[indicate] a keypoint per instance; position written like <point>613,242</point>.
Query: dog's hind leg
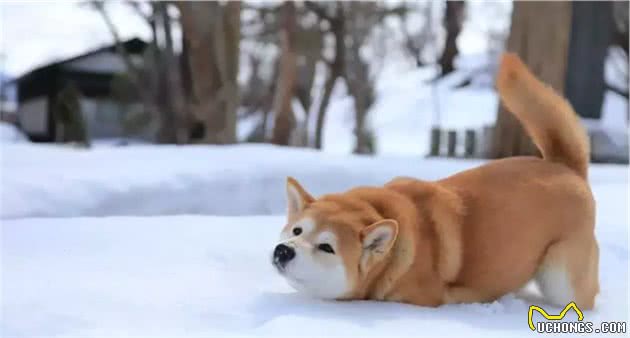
<point>569,271</point>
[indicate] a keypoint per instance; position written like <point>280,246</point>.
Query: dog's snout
<point>283,253</point>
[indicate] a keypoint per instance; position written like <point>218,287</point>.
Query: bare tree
<point>540,35</point>
<point>135,75</point>
<point>257,97</point>
<point>333,16</point>
<point>361,19</point>
<point>415,43</point>
<point>285,88</point>
<point>350,25</point>
<point>71,126</point>
<point>260,31</point>
<point>310,44</point>
<point>453,19</point>
<point>212,32</point>
<point>157,80</point>
<point>172,87</point>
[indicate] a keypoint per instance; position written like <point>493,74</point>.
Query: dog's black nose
<point>283,253</point>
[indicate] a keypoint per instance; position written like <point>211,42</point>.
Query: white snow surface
<point>149,274</point>
<point>53,181</point>
<point>10,134</point>
<point>407,105</point>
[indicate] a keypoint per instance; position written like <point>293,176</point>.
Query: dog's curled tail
<point>547,117</point>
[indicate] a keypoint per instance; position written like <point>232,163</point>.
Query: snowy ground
<point>10,134</point>
<point>208,275</point>
<point>52,181</point>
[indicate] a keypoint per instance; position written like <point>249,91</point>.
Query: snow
<point>43,45</point>
<point>51,181</point>
<point>157,272</point>
<point>407,105</point>
<point>8,93</point>
<point>609,134</point>
<point>10,134</point>
<point>150,241</point>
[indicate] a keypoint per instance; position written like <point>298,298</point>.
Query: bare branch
<point>135,5</point>
<point>262,10</point>
<point>318,10</point>
<point>133,71</point>
<point>385,12</point>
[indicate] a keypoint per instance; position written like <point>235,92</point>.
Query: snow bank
<point>206,276</point>
<point>49,181</point>
<point>10,134</point>
<point>210,276</point>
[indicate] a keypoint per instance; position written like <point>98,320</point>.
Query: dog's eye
<point>326,248</point>
<point>297,231</point>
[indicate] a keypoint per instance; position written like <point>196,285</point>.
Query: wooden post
<point>591,138</point>
<point>470,143</point>
<point>435,142</point>
<point>485,141</point>
<point>451,143</point>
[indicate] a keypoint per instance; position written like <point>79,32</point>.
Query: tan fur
<point>482,233</point>
<point>547,117</point>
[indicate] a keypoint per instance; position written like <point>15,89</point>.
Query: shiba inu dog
<point>471,237</point>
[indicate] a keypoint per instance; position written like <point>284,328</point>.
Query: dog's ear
<point>297,197</point>
<point>377,240</point>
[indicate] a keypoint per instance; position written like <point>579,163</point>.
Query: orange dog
<point>471,237</point>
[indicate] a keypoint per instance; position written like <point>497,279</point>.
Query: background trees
<point>566,44</point>
<point>212,33</point>
<point>279,64</point>
<point>544,50</point>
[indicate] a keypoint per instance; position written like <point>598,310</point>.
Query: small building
<point>91,75</point>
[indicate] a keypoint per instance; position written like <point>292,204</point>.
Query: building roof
<point>132,46</point>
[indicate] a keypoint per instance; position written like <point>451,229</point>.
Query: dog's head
<point>330,246</point>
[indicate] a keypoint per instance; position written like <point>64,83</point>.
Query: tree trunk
<point>267,100</point>
<point>321,111</point>
<point>453,19</point>
<point>192,124</point>
<point>212,31</point>
<point>540,35</point>
<point>174,81</point>
<point>337,27</point>
<point>285,88</point>
<point>361,89</point>
<point>69,116</point>
<point>164,95</point>
<point>591,34</point>
<point>230,64</point>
